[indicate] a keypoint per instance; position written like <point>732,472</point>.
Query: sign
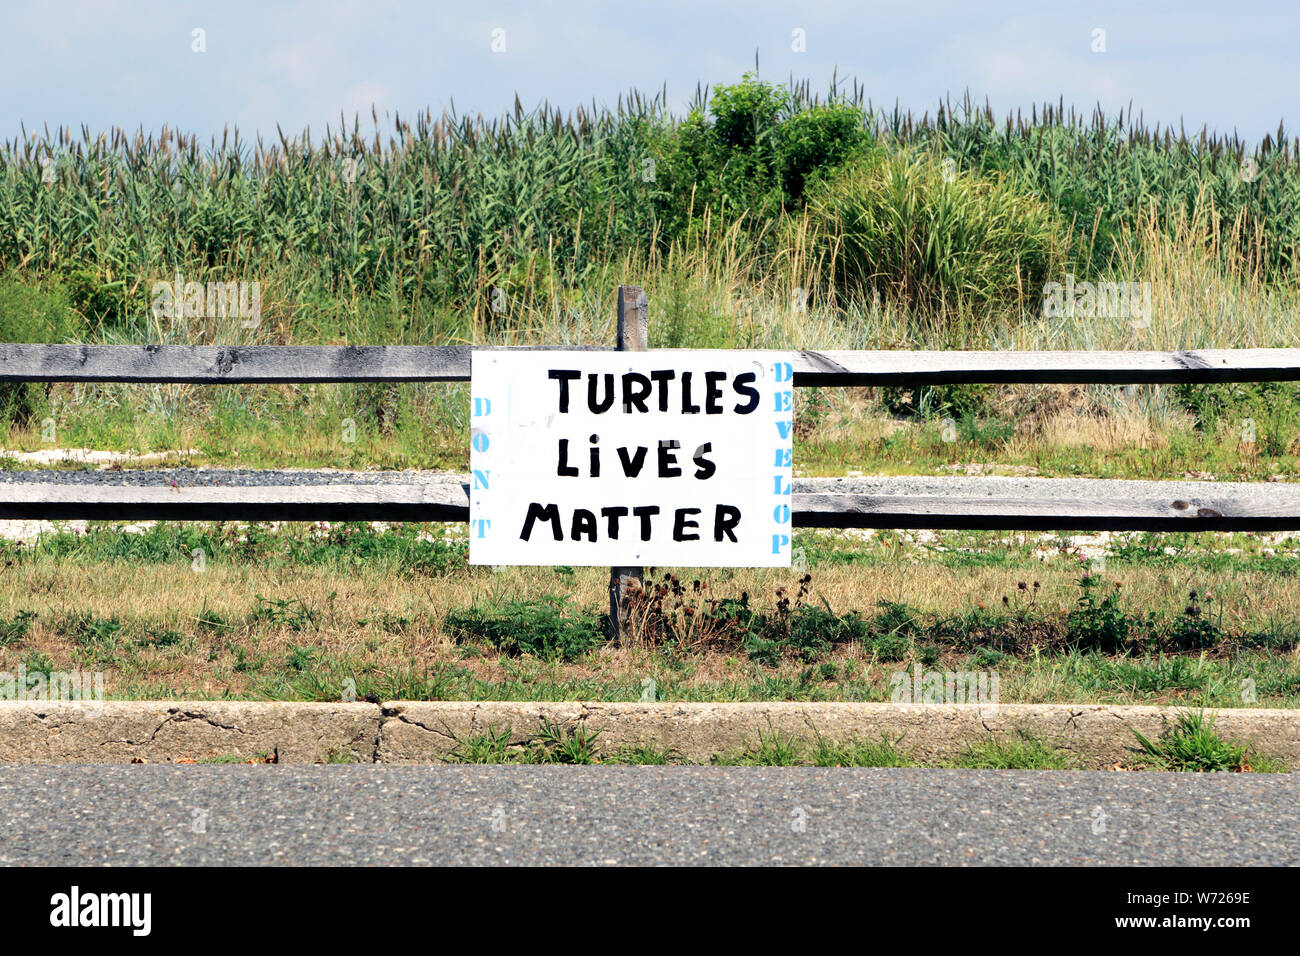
<point>668,458</point>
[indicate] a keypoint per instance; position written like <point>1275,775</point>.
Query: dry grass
<point>1124,428</point>
<point>175,596</point>
<point>392,622</point>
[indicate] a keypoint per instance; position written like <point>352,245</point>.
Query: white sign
<point>668,458</point>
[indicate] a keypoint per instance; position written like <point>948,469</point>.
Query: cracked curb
<point>170,731</point>
<point>1099,735</point>
<point>425,732</point>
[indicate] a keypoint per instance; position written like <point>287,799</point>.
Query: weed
<point>1198,626</point>
<point>547,627</point>
<point>35,662</point>
<point>287,612</point>
<point>90,631</point>
<point>1192,745</point>
<point>15,630</point>
<point>772,750</point>
<point>492,747</point>
<point>1099,623</point>
<point>644,755</point>
<point>1024,752</point>
<point>555,744</point>
<point>884,753</point>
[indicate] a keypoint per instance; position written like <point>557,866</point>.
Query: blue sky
<point>295,63</point>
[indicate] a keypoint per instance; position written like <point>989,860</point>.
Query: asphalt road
<point>155,814</point>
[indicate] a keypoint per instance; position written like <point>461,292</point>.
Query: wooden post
<point>633,336</point>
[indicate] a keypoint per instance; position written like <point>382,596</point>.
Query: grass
<point>771,220</point>
<point>1192,745</point>
<point>906,227</point>
<point>551,744</point>
<point>261,756</point>
<point>1022,753</point>
<point>411,620</point>
<point>1018,753</point>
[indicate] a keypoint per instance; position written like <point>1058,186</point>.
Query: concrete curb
<point>168,731</point>
<point>1100,735</point>
<point>422,732</point>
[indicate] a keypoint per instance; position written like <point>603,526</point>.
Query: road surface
<point>151,814</point>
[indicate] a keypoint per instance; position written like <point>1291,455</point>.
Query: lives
<point>633,461</point>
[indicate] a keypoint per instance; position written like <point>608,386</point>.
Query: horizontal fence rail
<point>306,364</point>
<point>1273,507</point>
<point>1266,507</point>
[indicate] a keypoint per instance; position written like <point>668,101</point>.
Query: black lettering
<point>713,392</point>
<point>725,519</point>
<point>595,457</point>
<point>687,407</point>
<point>635,389</point>
<point>565,470</point>
<point>564,376</point>
<point>663,377</point>
<point>601,406</point>
<point>668,459</point>
<point>550,513</point>
<point>742,388</point>
<point>680,524</point>
<point>584,523</point>
<point>645,513</point>
<point>612,515</point>
<point>632,466</point>
<point>703,467</point>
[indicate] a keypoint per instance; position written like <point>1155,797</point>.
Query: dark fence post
<point>633,336</point>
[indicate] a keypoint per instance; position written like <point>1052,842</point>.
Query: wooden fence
<point>1264,507</point>
<point>1268,506</point>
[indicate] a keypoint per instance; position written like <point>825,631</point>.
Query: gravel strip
<point>994,486</point>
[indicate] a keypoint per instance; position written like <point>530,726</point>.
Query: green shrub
<point>815,630</point>
<point>930,401</point>
<point>1266,414</point>
<point>817,139</point>
<point>733,160</point>
<point>898,227</point>
<point>745,114</point>
<point>101,300</point>
<point>547,628</point>
<point>752,153</point>
<point>30,313</point>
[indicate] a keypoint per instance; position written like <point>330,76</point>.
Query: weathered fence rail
<point>1271,507</point>
<point>1276,508</point>
<point>306,364</point>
